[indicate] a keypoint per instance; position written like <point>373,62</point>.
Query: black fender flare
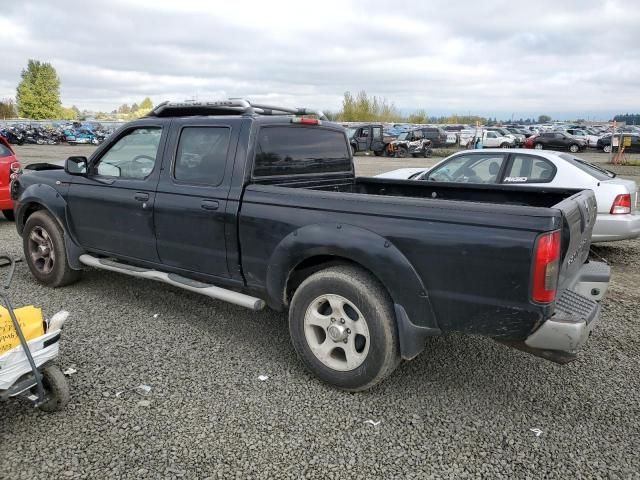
<point>414,312</point>
<point>48,198</point>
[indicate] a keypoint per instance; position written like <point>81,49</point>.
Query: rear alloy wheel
<point>574,148</point>
<point>538,146</point>
<point>9,215</point>
<point>606,149</point>
<point>402,152</point>
<point>504,145</point>
<point>342,325</point>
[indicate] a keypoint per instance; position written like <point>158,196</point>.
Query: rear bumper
<point>592,281</point>
<point>569,328</point>
<point>609,228</point>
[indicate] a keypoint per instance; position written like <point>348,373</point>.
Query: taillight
<point>306,121</point>
<point>546,266</point>
<point>621,205</point>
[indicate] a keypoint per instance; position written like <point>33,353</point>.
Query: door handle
<point>141,196</point>
<point>209,205</point>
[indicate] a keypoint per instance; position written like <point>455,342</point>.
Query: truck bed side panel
<point>474,259</point>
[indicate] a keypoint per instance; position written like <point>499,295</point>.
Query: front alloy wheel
<point>40,249</point>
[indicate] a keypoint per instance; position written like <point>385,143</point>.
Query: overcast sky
<point>564,58</point>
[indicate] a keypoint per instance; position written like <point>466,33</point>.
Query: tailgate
<point>579,215</point>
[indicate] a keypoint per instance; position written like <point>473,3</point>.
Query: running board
<point>175,280</point>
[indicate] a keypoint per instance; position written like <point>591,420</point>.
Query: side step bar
<point>179,281</point>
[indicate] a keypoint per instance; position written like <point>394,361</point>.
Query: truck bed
<point>495,194</point>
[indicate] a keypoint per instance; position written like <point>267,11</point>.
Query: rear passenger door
<point>191,218</point>
<point>523,168</point>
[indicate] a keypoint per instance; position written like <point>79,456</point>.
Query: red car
<point>8,166</point>
<point>528,143</point>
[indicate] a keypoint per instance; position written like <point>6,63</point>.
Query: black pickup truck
<point>258,205</point>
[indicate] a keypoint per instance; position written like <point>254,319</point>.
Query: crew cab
<point>9,165</point>
<point>259,205</point>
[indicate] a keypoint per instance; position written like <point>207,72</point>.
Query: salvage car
<point>633,140</point>
<point>368,138</point>
<point>9,165</point>
<point>412,142</point>
<point>618,217</point>
<point>259,205</point>
<point>559,141</point>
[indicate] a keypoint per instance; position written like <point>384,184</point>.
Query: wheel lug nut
<point>342,320</point>
<point>348,330</point>
<point>333,320</point>
<point>345,340</point>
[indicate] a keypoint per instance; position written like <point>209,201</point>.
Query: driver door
<point>111,210</point>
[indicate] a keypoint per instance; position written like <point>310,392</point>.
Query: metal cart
<point>27,370</point>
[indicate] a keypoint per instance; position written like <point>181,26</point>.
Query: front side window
<point>133,156</point>
<point>477,168</point>
<point>299,150</point>
<point>4,151</point>
<point>377,132</point>
<point>529,169</point>
<point>202,155</point>
<point>364,132</point>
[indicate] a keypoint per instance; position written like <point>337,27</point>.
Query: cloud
<point>482,57</point>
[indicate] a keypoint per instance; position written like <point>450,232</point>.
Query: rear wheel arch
<point>316,247</point>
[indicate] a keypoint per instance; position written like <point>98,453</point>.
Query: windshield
<point>350,132</point>
<point>403,136</point>
<point>594,170</point>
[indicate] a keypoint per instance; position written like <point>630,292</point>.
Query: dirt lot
<point>464,408</point>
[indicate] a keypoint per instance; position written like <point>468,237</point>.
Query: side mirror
<point>76,166</point>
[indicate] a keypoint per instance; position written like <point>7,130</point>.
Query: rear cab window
<point>300,150</point>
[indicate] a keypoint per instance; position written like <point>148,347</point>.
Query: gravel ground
<point>465,407</point>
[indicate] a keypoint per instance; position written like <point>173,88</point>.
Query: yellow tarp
<point>31,321</point>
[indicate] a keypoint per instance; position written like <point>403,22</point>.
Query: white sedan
<point>618,217</point>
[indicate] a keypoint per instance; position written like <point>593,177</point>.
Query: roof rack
<point>233,106</point>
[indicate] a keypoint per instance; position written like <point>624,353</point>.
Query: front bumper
<point>609,228</point>
<point>569,328</point>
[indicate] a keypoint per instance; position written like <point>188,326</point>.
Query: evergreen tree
<point>38,94</point>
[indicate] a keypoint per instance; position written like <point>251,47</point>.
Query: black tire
<point>9,215</point>
<point>371,298</point>
<point>402,152</point>
<point>574,148</point>
<point>504,145</point>
<point>354,150</point>
<point>606,149</point>
<point>57,388</point>
<point>60,273</point>
<point>378,153</point>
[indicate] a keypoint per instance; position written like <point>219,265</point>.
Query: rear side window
<point>202,155</point>
<point>297,150</point>
<point>530,169</point>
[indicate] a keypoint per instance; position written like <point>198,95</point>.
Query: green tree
<point>69,113</point>
<point>38,93</point>
<point>8,108</point>
<point>544,119</point>
<point>363,108</point>
<point>124,108</point>
<point>146,104</point>
<point>419,116</point>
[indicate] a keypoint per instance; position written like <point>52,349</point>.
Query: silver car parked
<point>618,216</point>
